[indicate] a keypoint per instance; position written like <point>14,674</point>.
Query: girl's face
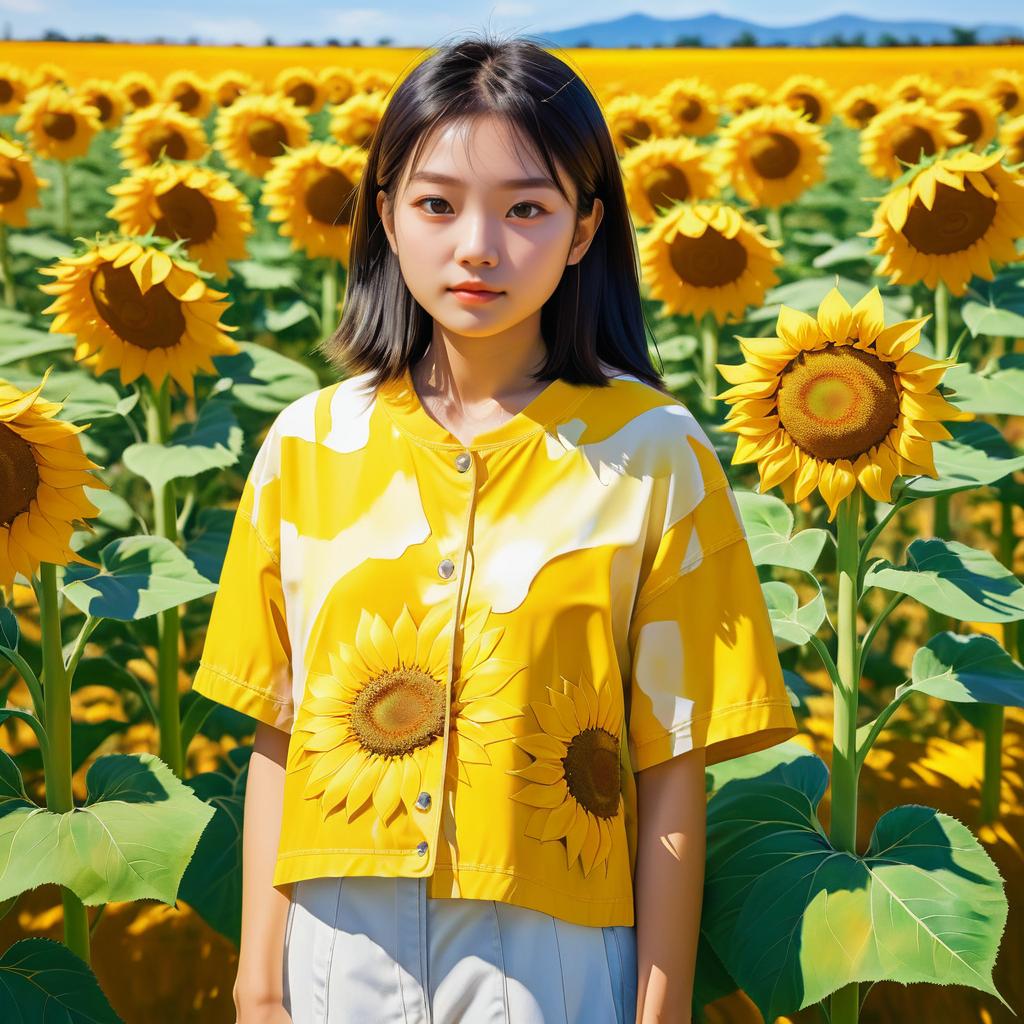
<point>479,208</point>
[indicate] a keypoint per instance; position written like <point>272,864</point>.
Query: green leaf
<point>793,919</point>
<point>278,320</point>
<point>678,348</point>
<point>995,307</point>
<point>214,441</point>
<point>266,277</point>
<point>953,579</point>
<point>852,250</point>
<point>971,668</point>
<point>806,295</point>
<point>996,390</point>
<point>212,883</point>
<point>768,522</point>
<point>977,455</point>
<point>42,981</point>
<point>131,840</point>
<point>20,344</point>
<point>792,623</point>
<point>262,379</point>
<point>9,630</point>
<point>84,398</point>
<point>39,246</point>
<point>140,576</point>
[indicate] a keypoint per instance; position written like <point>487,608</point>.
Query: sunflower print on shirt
<point>371,726</point>
<point>575,780</point>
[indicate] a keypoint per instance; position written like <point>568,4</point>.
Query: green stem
<point>91,622</point>
<point>158,430</point>
<point>329,298</point>
<point>843,824</point>
<point>869,540</point>
<point>57,697</point>
<point>5,264</point>
<point>994,715</point>
<point>31,681</point>
<point>941,320</point>
<point>65,197</point>
<point>941,528</point>
<point>773,221</point>
<point>709,356</point>
<point>879,724</point>
<point>869,637</point>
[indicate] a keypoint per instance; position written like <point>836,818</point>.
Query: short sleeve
<point>704,667</point>
<point>246,658</point>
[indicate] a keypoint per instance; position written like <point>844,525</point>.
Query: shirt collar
<point>552,405</point>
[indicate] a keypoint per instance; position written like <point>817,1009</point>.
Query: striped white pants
<point>369,950</point>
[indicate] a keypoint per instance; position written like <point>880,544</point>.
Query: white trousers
<point>369,950</point>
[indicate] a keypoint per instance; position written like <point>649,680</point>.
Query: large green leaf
<point>266,277</point>
<point>212,883</point>
<point>792,623</point>
<point>850,250</point>
<point>768,522</point>
<point>793,919</point>
<point>262,379</point>
<point>953,579</point>
<point>998,389</point>
<point>977,454</point>
<point>996,307</point>
<point>42,981</point>
<point>279,320</point>
<point>131,840</point>
<point>971,668</point>
<point>214,441</point>
<point>140,576</point>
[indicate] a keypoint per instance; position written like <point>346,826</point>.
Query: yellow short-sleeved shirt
<point>474,648</point>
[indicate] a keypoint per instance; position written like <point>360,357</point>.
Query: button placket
<point>465,463</point>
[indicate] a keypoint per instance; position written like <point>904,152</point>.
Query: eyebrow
<point>447,179</point>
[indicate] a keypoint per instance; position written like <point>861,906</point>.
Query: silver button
<point>421,847</point>
<point>446,568</point>
<point>463,461</point>
<point>423,800</point>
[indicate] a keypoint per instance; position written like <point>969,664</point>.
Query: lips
<point>474,288</point>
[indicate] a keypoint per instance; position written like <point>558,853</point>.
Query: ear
<point>586,228</point>
<point>386,213</point>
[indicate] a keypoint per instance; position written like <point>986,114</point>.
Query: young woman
<point>488,598</point>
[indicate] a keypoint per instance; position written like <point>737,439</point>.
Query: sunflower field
<point>833,268</point>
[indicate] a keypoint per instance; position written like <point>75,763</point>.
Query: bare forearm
<point>669,886</point>
<point>260,976</point>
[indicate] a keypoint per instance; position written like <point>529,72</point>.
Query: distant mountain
<point>715,30</point>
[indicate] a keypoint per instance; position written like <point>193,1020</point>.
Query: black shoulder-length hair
<point>595,313</point>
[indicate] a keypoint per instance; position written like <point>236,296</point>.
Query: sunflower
<point>310,192</point>
<point>59,124</point>
<point>139,87</point>
<point>661,172</point>
<point>106,97</point>
<point>948,219</point>
<point>914,86</point>
<point>302,87</point>
<point>198,204</point>
<point>978,114</point>
<point>160,129</point>
<point>1011,136</point>
<point>47,73</point>
<point>45,473</point>
<point>744,96</point>
<point>140,310</point>
<point>19,186</point>
<point>354,122</point>
<point>701,258</point>
<point>257,128</point>
<point>771,155</point>
<point>837,401</point>
<point>905,132</point>
<point>574,782</point>
<point>14,86</point>
<point>809,95</point>
<point>374,80</point>
<point>1006,87</point>
<point>691,104</point>
<point>227,86</point>
<point>374,727</point>
<point>188,92</point>
<point>859,105</point>
<point>337,83</point>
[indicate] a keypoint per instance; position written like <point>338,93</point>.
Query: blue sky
<point>418,24</point>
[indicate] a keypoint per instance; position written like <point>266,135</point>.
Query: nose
<point>474,245</point>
